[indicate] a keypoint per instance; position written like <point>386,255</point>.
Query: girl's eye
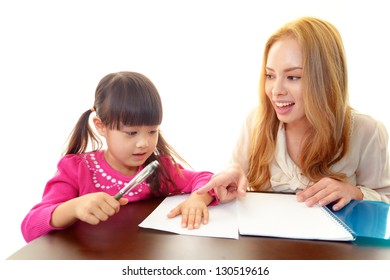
<point>131,133</point>
<point>153,132</point>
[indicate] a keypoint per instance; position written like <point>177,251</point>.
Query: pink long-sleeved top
<point>81,174</point>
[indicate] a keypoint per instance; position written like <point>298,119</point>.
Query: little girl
<point>128,115</point>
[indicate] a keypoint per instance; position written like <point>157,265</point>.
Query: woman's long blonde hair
<point>326,103</point>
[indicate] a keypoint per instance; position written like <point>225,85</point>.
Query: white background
<point>203,56</point>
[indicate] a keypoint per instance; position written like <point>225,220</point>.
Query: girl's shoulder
<point>168,162</point>
<point>79,161</point>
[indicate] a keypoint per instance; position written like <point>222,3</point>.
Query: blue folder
<point>369,221</point>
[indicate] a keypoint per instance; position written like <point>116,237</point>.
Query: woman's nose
<point>279,88</point>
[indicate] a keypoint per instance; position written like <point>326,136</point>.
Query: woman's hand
<point>193,210</point>
<point>227,184</point>
<point>329,190</point>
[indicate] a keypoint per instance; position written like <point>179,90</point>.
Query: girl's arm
<point>194,210</point>
<point>90,208</point>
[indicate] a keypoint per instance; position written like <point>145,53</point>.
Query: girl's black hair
<point>130,99</point>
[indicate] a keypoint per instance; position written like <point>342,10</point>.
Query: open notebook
<point>258,214</point>
<point>281,215</point>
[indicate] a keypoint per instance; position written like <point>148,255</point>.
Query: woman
<point>304,137</point>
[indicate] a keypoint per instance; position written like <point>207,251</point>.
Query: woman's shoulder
<point>251,118</point>
<point>363,123</point>
<point>253,113</point>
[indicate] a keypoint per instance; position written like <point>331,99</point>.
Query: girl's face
<point>128,147</point>
<point>283,84</point>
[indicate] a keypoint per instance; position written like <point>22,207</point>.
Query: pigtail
<point>161,174</point>
<point>82,132</point>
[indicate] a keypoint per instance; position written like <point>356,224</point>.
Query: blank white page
<point>222,219</point>
<point>281,215</point>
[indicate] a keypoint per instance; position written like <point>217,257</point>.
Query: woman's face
<point>283,84</point>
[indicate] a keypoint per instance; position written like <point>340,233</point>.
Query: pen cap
<point>154,164</point>
<point>146,172</point>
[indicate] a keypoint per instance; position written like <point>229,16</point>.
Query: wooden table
<point>120,238</point>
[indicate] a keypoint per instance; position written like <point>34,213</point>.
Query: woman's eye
<point>268,76</point>
<point>293,78</point>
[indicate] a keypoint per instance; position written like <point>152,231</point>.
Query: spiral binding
<point>337,220</point>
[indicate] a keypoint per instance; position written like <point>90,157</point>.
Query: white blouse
<point>366,164</point>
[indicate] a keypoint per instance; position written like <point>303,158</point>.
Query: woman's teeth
<point>283,104</point>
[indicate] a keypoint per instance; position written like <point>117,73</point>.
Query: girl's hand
<point>193,211</point>
<point>91,208</point>
<point>328,190</point>
<point>94,208</point>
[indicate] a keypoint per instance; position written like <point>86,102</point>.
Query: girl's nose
<point>142,142</point>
